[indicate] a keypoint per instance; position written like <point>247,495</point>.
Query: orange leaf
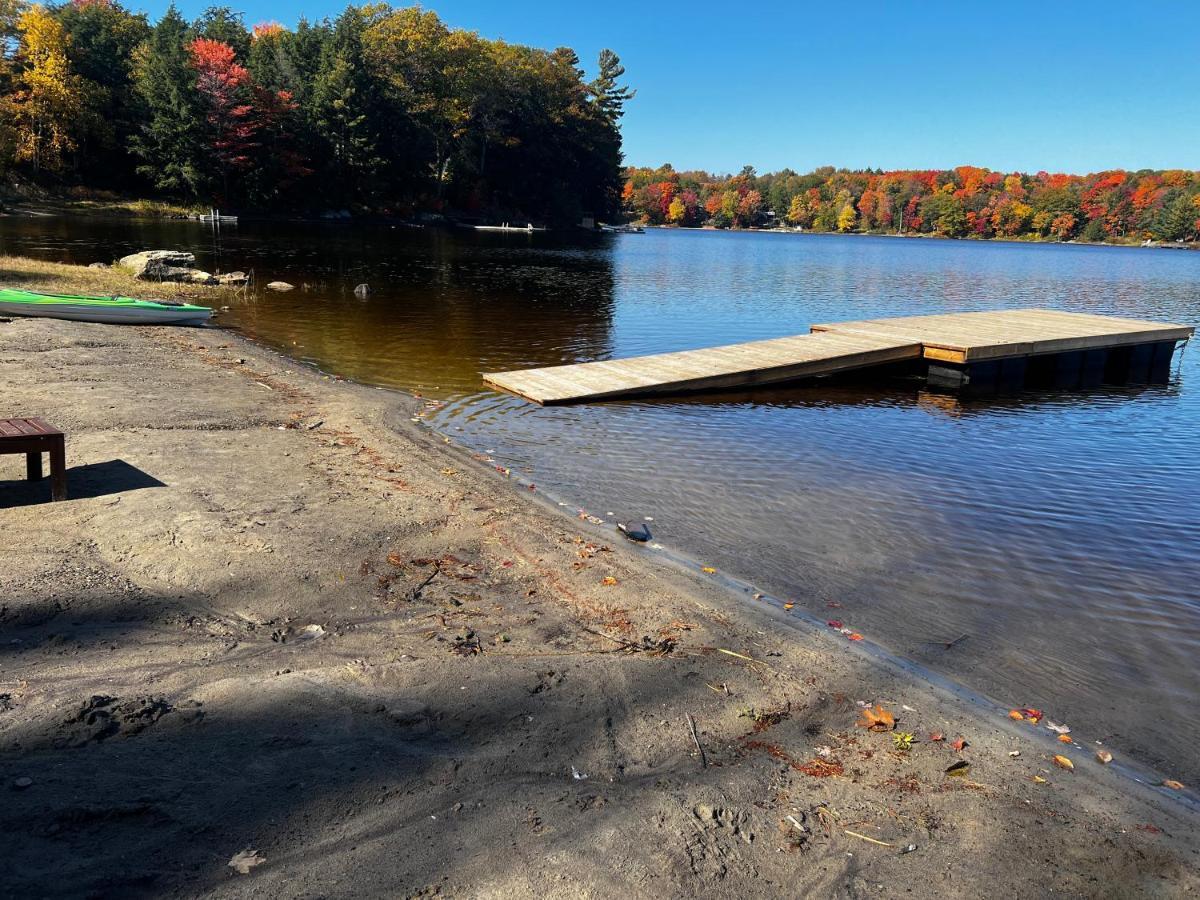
<point>608,581</point>
<point>877,719</point>
<point>856,636</point>
<point>959,744</point>
<point>1016,714</point>
<point>1064,739</point>
<point>1173,784</point>
<point>937,736</point>
<point>1064,763</point>
<point>788,605</point>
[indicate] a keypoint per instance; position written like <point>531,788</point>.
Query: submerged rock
<point>280,286</point>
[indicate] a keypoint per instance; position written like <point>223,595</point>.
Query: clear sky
<point>1059,85</point>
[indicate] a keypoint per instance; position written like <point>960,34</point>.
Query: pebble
<point>21,783</point>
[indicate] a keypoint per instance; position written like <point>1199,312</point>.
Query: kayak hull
<point>119,311</point>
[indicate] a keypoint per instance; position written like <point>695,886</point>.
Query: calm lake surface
<point>1060,531</point>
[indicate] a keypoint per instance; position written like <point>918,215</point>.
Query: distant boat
<point>622,229</point>
<point>214,216</point>
<point>110,310</point>
<point>524,229</point>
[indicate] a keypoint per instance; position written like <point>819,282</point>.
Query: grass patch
<point>60,278</point>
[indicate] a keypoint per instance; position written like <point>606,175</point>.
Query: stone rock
<point>98,265</point>
<point>159,265</point>
<point>233,278</point>
<point>280,286</point>
<point>195,276</point>
<point>362,291</point>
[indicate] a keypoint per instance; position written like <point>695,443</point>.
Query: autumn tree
<point>49,99</point>
<point>224,88</point>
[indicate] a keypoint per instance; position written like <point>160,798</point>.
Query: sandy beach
<point>284,642</point>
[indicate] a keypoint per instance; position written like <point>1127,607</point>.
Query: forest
<point>382,109</point>
<point>963,202</point>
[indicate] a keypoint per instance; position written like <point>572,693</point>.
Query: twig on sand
<point>949,644</point>
<point>416,592</point>
<point>749,659</point>
<point>865,838</point>
<point>624,643</point>
<point>696,737</point>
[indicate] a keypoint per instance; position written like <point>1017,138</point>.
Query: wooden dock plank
<point>837,347</point>
<point>974,336</point>
<point>757,362</point>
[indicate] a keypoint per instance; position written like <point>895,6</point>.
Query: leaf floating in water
<point>1033,715</point>
<point>1064,762</point>
<point>1173,784</point>
<point>835,623</point>
<point>1060,729</point>
<point>1065,739</point>
<point>877,719</point>
<point>959,769</point>
<point>788,605</point>
<point>1103,756</point>
<point>708,570</point>
<point>245,860</point>
<point>1017,715</point>
<point>856,636</point>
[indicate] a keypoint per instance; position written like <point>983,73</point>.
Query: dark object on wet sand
<point>33,437</point>
<point>641,533</point>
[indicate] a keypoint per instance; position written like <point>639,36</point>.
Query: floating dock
<point>975,351</point>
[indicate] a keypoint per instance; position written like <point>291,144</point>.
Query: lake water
<point>1060,531</point>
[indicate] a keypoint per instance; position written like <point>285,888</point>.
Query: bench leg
<point>33,466</point>
<point>58,470</point>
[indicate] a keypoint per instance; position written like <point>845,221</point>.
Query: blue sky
<point>1061,86</point>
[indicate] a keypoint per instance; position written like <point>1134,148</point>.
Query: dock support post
<point>1068,370</point>
<point>1092,373</point>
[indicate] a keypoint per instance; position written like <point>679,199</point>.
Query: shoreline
<point>370,647</point>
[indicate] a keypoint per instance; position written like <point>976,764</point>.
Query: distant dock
<point>975,351</point>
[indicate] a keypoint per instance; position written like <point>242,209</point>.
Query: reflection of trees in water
<point>442,307</point>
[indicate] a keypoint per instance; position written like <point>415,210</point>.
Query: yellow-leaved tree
<point>846,217</point>
<point>48,102</point>
<point>676,211</point>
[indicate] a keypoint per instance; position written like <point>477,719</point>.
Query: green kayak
<point>112,310</point>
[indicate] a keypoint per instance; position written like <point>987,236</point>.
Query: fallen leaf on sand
<point>877,719</point>
<point>1065,739</point>
<point>959,744</point>
<point>708,570</point>
<point>1016,714</point>
<point>1033,715</point>
<point>959,769</point>
<point>937,736</point>
<point>246,860</point>
<point>1173,784</point>
<point>1064,763</point>
<point>1104,756</point>
<point>788,605</point>
<point>1038,779</point>
<point>856,636</point>
<point>608,581</point>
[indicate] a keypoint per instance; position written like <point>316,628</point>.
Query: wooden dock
<point>987,347</point>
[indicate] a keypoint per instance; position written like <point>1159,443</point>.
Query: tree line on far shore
<point>966,201</point>
<point>382,109</point>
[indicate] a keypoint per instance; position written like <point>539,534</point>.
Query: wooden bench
<point>33,437</point>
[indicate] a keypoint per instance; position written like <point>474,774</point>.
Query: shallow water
<point>1060,531</point>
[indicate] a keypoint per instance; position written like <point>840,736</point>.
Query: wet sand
<point>276,616</point>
